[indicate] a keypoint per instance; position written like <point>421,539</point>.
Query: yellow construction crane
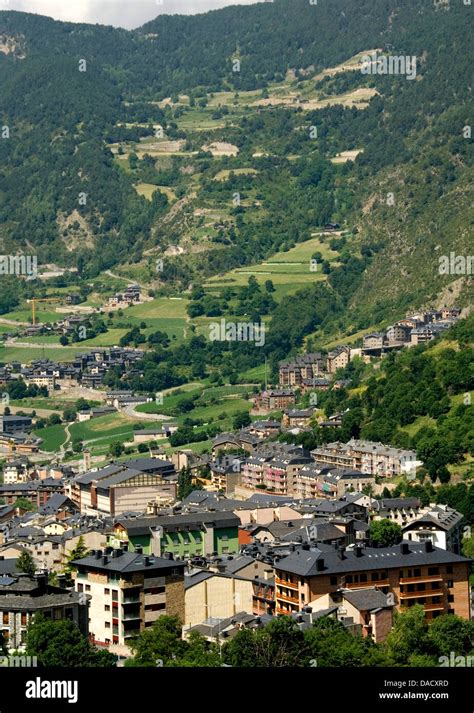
<point>33,302</point>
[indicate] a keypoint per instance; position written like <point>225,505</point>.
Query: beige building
<point>210,594</point>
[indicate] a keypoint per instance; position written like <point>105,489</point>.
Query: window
<point>23,619</point>
<point>114,595</point>
<point>225,537</point>
<point>333,580</point>
<point>106,592</point>
<point>433,570</point>
<point>450,597</point>
<point>417,572</point>
<point>449,569</point>
<point>450,583</point>
<point>5,618</point>
<point>107,624</point>
<point>107,607</point>
<point>363,578</point>
<point>375,576</point>
<point>88,587</point>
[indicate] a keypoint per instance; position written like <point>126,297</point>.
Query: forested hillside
<point>110,158</point>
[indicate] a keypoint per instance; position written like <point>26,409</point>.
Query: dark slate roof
<point>324,532</point>
<point>269,499</point>
<point>98,474</point>
<point>196,577</point>
<point>396,503</point>
<point>54,503</point>
<point>116,478</point>
<point>440,517</point>
<point>366,599</point>
<point>147,464</point>
<point>142,525</point>
<point>304,562</point>
<point>8,566</point>
<point>129,562</point>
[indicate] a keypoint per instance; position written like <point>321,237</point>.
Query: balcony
<point>134,599</point>
<point>434,607</point>
<point>289,585</point>
<point>423,578</point>
<point>364,585</point>
<point>279,610</point>
<point>293,600</point>
<point>422,593</point>
<point>129,616</point>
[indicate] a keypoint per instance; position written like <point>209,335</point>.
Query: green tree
<point>60,643</point>
<point>185,483</point>
<point>409,636</point>
<point>468,546</point>
<point>24,504</point>
<point>241,420</point>
<point>79,552</point>
<point>158,644</point>
<point>25,563</point>
<point>385,533</point>
<point>452,633</point>
<point>116,449</point>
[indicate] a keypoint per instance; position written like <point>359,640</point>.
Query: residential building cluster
<point>219,561</point>
<point>412,330</point>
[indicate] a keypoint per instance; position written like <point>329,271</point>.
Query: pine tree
<point>25,563</point>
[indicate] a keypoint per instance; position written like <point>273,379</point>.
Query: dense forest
<point>69,91</point>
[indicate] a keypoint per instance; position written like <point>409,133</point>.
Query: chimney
<point>61,579</point>
<point>429,546</point>
<point>105,559</point>
<point>98,554</point>
<point>139,550</point>
<point>404,548</point>
<point>358,551</point>
<point>146,561</point>
<point>342,553</point>
<point>319,564</point>
<point>41,582</point>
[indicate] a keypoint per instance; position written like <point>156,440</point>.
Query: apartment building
<point>274,399</point>
<point>297,418</point>
<point>215,595</point>
<point>399,510</point>
<point>440,524</point>
<point>338,358</point>
<point>128,592</point>
<point>412,573</point>
<point>119,488</point>
<point>369,457</point>
<point>303,366</point>
<point>22,596</point>
<point>186,535</point>
<point>16,471</point>
<point>274,468</point>
<point>15,424</point>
